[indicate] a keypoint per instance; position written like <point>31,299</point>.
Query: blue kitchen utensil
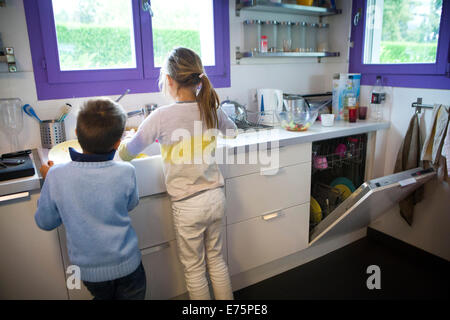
<point>65,112</point>
<point>30,111</point>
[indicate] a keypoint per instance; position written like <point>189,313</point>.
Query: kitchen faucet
<point>145,111</point>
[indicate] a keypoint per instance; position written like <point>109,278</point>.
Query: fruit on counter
<point>292,126</point>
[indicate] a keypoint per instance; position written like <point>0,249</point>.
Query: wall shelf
<point>255,55</point>
<point>268,6</point>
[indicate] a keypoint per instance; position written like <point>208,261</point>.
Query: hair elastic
<point>201,75</point>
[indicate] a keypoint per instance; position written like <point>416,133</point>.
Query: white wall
<point>430,230</point>
<point>290,75</point>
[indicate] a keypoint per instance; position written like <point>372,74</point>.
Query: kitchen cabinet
<point>268,215</point>
<point>255,194</point>
<point>287,156</point>
<point>259,240</point>
<point>31,266</point>
<point>152,220</point>
<point>164,272</point>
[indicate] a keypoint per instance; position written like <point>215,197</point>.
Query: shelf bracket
<point>238,55</point>
<point>7,56</point>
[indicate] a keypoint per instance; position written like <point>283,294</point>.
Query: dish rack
<point>254,121</point>
<point>337,153</point>
<point>333,159</point>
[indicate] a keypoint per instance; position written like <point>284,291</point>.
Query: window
<point>84,48</point>
<point>183,23</point>
<point>406,42</point>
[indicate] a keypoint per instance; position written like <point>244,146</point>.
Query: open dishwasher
<point>341,200</point>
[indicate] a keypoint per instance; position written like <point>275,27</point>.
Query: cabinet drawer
<point>260,240</point>
<point>164,272</point>
<point>285,156</point>
<point>152,220</point>
<point>255,194</point>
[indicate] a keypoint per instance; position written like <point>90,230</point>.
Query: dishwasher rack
<point>343,157</point>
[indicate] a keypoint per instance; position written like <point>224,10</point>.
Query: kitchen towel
<point>409,158</point>
<point>446,151</point>
<point>432,151</point>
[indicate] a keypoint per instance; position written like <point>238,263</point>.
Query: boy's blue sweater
<point>92,200</point>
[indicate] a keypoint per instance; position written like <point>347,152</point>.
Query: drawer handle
<point>156,248</point>
<point>271,216</point>
<point>14,196</point>
<point>270,171</point>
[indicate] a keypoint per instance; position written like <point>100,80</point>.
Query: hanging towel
<point>409,158</point>
<point>446,151</point>
<point>433,147</point>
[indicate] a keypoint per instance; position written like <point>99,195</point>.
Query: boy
<point>91,196</point>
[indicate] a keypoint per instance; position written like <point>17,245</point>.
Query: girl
<point>194,183</point>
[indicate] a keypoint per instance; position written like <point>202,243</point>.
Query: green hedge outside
<point>82,47</point>
<point>404,52</point>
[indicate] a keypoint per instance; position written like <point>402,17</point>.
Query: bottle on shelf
<point>264,44</point>
<point>377,97</point>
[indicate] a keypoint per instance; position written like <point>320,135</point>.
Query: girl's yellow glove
<point>124,154</point>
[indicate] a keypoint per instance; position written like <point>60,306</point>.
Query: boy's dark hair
<point>100,124</point>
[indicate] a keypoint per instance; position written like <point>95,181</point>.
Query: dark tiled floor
<point>342,275</point>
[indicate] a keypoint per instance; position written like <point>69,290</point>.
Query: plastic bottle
<point>376,100</point>
<point>349,99</point>
<point>264,44</point>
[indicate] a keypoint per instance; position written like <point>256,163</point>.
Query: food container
<point>327,120</point>
<point>252,35</point>
<point>284,37</point>
<point>311,37</point>
<point>269,29</point>
<point>322,37</point>
<point>298,34</point>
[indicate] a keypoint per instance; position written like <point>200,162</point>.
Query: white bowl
<point>327,120</point>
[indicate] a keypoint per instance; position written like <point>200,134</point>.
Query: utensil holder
<point>52,133</point>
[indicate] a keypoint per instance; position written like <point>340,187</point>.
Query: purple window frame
<point>431,76</point>
<point>52,83</point>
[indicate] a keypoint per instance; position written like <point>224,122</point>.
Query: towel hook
<point>418,105</point>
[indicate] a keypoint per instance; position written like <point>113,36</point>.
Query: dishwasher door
<point>369,202</point>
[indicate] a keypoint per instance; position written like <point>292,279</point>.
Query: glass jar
<point>299,36</point>
<point>284,37</point>
<point>311,37</point>
<point>269,29</point>
<point>322,37</point>
<point>252,35</point>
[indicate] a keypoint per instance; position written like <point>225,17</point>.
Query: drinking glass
<point>11,120</point>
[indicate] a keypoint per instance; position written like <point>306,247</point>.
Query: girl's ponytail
<point>208,102</point>
<point>185,67</point>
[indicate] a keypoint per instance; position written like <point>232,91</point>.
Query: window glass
<point>94,34</point>
<point>402,31</point>
<point>183,23</point>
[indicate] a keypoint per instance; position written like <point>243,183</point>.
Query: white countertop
<point>316,132</point>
